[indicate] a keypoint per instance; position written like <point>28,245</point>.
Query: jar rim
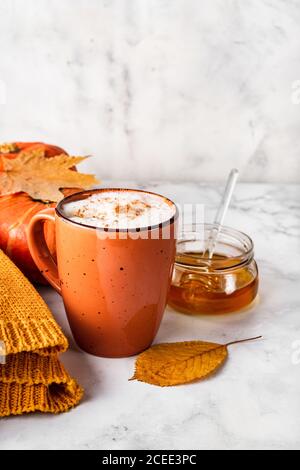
<point>235,261</point>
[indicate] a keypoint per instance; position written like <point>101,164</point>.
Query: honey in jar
<point>226,283</point>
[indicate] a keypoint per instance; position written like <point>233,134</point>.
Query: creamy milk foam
<point>120,209</point>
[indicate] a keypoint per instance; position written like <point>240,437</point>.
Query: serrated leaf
<point>169,364</point>
<point>41,177</point>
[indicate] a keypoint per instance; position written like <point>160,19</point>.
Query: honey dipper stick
<point>222,211</point>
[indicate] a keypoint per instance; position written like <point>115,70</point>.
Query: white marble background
<point>156,89</point>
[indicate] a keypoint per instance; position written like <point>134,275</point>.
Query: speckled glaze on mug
<point>114,287</point>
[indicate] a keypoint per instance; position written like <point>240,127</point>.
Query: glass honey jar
<point>226,283</point>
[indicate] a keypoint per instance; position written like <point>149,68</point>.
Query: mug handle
<point>38,247</point>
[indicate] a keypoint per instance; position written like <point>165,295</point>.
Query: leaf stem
<point>243,340</point>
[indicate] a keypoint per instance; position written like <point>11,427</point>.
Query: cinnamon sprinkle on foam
<point>120,209</point>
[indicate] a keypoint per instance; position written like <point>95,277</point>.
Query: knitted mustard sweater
<point>31,376</point>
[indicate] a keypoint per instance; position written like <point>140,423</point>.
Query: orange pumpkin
<point>16,211</point>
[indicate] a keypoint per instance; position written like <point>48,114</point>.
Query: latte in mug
<point>114,288</point>
<point>130,209</point>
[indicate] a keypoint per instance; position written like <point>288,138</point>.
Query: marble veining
<point>252,403</point>
<point>156,89</point>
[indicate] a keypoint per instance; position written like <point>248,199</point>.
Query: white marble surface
<point>156,89</point>
<point>252,403</point>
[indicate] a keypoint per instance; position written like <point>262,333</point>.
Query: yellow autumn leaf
<point>41,177</point>
<point>169,364</point>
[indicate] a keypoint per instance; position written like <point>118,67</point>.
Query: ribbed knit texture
<point>32,378</point>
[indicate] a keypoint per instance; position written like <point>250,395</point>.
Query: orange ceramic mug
<point>114,283</point>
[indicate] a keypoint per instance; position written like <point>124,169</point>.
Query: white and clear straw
<point>222,211</point>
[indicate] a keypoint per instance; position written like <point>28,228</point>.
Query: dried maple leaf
<point>178,363</point>
<point>42,177</point>
<point>8,148</point>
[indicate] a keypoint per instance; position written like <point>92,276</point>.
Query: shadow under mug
<point>114,283</point>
